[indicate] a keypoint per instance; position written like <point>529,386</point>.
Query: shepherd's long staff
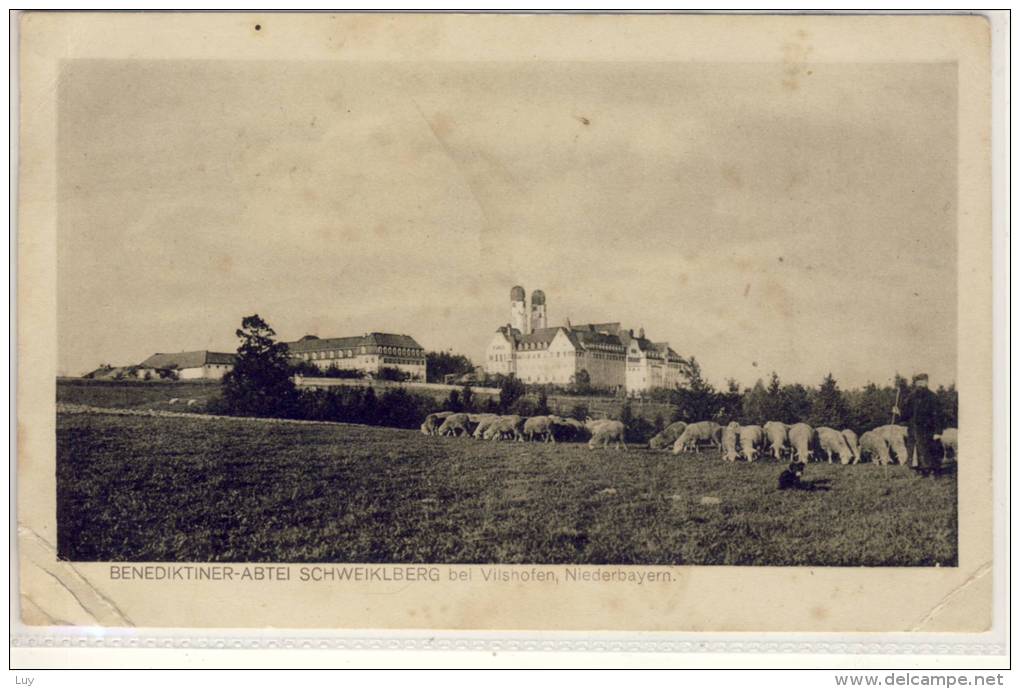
<point>896,406</point>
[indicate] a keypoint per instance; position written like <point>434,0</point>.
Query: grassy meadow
<point>124,394</point>
<point>134,488</point>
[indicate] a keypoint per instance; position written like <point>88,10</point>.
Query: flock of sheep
<point>797,441</point>
<point>782,441</point>
<point>547,428</point>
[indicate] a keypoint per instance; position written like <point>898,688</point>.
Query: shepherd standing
<point>921,414</point>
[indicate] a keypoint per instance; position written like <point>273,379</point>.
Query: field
<point>133,488</point>
<point>136,394</point>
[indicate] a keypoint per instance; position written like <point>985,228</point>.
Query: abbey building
<point>604,353</point>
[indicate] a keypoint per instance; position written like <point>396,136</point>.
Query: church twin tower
<point>519,318</point>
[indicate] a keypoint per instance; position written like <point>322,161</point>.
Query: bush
<point>524,407</point>
<point>510,390</point>
<point>400,409</point>
<point>453,402</point>
<point>393,374</point>
<point>438,365</point>
<point>636,429</point>
<point>467,398</point>
<point>395,408</point>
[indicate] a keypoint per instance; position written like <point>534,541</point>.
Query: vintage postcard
<point>630,323</point>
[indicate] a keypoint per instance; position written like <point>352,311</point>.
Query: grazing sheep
<point>875,446</point>
<point>854,443</point>
<point>511,426</point>
<point>832,442</point>
<point>484,425</point>
<point>569,429</point>
<point>802,439</point>
<point>948,438</point>
<point>777,437</point>
<point>667,436</point>
<point>429,425</point>
<point>752,439</point>
<point>541,426</point>
<point>728,441</point>
<point>192,403</point>
<point>896,437</point>
<point>698,432</point>
<point>455,424</point>
<point>432,422</point>
<point>173,400</point>
<point>605,432</point>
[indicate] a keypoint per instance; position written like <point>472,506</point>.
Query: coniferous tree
<point>795,404</point>
<point>695,399</point>
<point>755,404</point>
<point>510,390</point>
<point>260,383</point>
<point>542,408</point>
<point>467,396</point>
<point>828,408</point>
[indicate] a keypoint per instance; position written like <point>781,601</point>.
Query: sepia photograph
<point>293,323</point>
<point>562,319</point>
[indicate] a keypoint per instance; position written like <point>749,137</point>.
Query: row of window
<point>608,357</point>
<point>558,355</point>
<point>500,358</point>
<point>349,353</point>
<point>333,354</point>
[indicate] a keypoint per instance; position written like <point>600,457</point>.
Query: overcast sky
<point>753,218</point>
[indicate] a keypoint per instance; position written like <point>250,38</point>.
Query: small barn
<point>192,365</point>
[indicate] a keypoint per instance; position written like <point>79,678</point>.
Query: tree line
<point>859,409</point>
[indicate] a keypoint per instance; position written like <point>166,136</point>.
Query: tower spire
<point>538,309</point>
<point>518,310</point>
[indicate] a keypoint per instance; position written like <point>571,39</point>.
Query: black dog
<point>790,480</point>
<point>791,477</point>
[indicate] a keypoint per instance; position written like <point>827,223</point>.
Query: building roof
<point>667,351</point>
<point>537,298</point>
<point>517,293</point>
<point>180,360</point>
<point>314,344</point>
<point>541,337</point>
<point>610,328</point>
<point>595,339</point>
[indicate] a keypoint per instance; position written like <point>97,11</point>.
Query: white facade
<point>651,367</point>
<point>547,359</point>
<point>499,355</point>
<point>207,371</point>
